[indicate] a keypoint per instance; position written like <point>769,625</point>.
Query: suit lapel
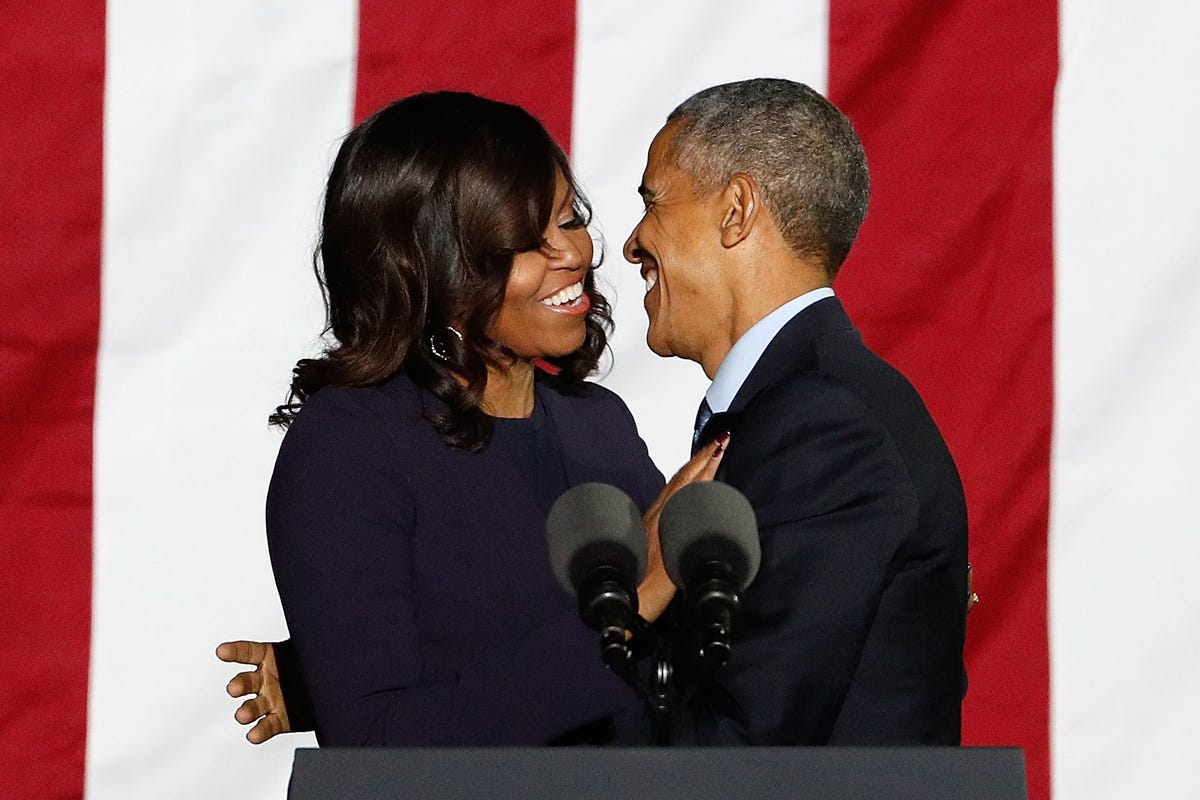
<point>792,349</point>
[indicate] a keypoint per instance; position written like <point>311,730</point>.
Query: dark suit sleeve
<point>291,686</point>
<point>835,504</point>
<point>340,522</point>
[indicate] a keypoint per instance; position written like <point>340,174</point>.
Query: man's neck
<point>745,354</point>
<point>766,288</point>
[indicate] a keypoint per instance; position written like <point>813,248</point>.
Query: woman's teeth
<point>567,295</point>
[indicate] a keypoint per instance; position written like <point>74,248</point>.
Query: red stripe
<point>520,51</point>
<point>52,87</point>
<point>952,281</point>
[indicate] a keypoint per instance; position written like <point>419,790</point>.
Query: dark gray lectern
<point>579,773</point>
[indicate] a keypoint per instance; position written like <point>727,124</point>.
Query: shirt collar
<point>748,349</point>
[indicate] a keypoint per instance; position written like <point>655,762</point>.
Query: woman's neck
<point>509,390</point>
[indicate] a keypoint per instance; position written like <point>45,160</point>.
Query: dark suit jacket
<point>852,632</point>
<point>415,577</point>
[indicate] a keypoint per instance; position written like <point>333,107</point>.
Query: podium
<point>612,773</point>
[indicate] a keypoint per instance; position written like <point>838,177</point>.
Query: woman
<point>406,512</point>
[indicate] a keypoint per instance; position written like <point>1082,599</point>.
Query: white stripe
<point>634,63</point>
<point>1124,551</point>
<point>219,122</point>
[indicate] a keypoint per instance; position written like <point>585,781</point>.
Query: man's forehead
<point>659,162</point>
<point>660,146</point>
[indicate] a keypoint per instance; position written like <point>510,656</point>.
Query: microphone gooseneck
<point>607,605</point>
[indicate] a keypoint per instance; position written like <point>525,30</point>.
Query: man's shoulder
<point>819,353</point>
<point>839,384</point>
<point>806,413</point>
<point>849,385</point>
<point>837,374</point>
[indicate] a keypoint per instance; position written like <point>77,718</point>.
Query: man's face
<point>676,243</point>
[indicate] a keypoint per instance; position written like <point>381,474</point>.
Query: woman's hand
<point>267,706</point>
<point>656,591</point>
<point>972,597</point>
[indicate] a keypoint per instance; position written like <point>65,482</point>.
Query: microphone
<point>598,553</point>
<point>710,548</point>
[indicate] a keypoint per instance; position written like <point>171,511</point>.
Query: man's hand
<point>267,705</point>
<point>656,590</point>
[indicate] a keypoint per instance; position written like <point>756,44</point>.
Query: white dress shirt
<point>748,349</point>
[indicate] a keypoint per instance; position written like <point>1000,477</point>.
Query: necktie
<point>703,415</point>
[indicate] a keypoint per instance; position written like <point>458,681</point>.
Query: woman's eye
<point>574,222</point>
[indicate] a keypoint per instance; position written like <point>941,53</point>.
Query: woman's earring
<point>436,348</point>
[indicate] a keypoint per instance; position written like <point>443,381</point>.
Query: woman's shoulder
<point>350,413</point>
<point>345,435</point>
<point>589,406</point>
<point>582,396</point>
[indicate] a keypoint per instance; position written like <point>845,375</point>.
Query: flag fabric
<point>1031,260</point>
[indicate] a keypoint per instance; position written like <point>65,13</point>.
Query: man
<point>852,632</point>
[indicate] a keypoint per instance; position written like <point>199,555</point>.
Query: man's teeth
<point>567,295</point>
<point>651,280</point>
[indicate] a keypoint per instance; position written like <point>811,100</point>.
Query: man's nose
<point>631,251</point>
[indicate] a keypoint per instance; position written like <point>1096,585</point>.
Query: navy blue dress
<point>415,577</point>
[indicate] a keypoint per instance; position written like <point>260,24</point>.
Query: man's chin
<point>657,345</point>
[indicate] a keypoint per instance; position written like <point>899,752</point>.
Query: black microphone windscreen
<point>709,521</point>
<point>591,525</point>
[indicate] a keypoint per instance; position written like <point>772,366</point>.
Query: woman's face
<point>544,305</point>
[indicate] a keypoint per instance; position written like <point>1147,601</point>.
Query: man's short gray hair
<point>800,148</point>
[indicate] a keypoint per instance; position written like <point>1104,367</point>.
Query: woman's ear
<point>741,208</point>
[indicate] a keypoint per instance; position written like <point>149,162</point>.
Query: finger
<point>245,683</point>
<point>703,466</point>
<point>243,651</point>
<point>688,472</point>
<point>708,470</point>
<point>696,465</point>
<point>693,464</point>
<point>267,727</point>
<point>251,710</point>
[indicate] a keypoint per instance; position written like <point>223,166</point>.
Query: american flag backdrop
<point>1031,260</point>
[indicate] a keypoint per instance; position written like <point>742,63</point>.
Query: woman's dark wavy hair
<point>426,205</point>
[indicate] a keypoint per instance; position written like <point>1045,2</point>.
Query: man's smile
<point>650,276</point>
